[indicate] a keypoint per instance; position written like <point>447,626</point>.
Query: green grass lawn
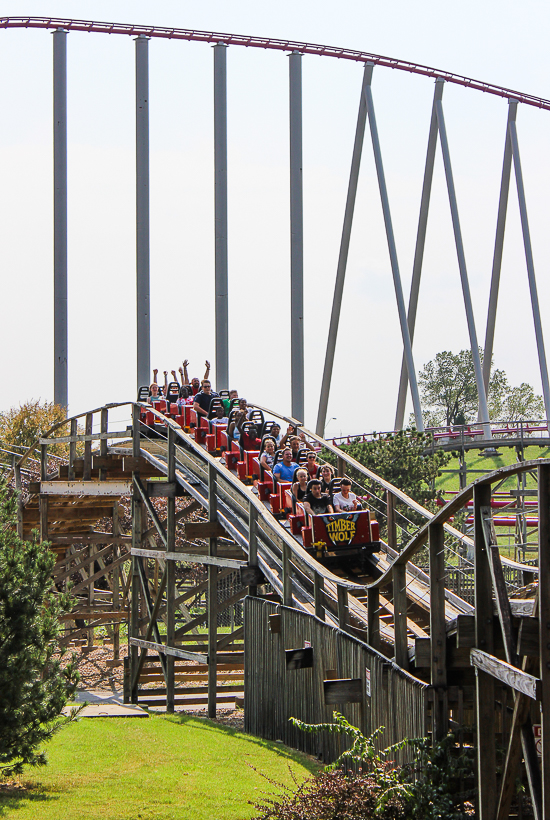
<point>155,768</point>
<point>478,461</point>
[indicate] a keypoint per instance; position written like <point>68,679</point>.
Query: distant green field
<point>156,768</point>
<point>476,460</point>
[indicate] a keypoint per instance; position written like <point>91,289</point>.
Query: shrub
<point>434,786</point>
<point>33,686</point>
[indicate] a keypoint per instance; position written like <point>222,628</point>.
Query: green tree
<point>448,389</point>
<point>34,687</point>
<point>404,459</point>
<point>522,403</point>
<point>22,426</point>
<point>448,393</point>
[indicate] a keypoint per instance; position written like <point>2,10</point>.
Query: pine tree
<point>34,687</point>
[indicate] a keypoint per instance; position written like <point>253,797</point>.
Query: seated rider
<point>312,465</point>
<point>195,383</point>
<point>220,417</point>
<point>249,438</point>
<point>201,405</point>
<point>268,456</point>
<point>314,502</point>
<point>327,474</point>
<point>299,488</point>
<point>154,391</point>
<point>284,470</point>
<point>345,501</point>
<point>233,394</point>
<point>277,435</point>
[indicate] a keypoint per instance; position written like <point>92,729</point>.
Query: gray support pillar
<point>296,240</point>
<point>483,409</point>
<point>343,256</point>
<point>530,268</point>
<point>393,259</point>
<point>499,244</point>
<point>60,315</point>
<point>419,251</point>
<point>220,215</point>
<point>143,327</point>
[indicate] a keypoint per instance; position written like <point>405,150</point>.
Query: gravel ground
<point>95,674</point>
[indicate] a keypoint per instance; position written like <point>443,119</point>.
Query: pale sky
<point>503,43</point>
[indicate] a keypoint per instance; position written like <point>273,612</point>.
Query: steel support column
<point>343,255</point>
<point>530,267</point>
<point>484,411</point>
<point>60,314</point>
<point>419,251</point>
<point>499,244</point>
<point>393,258</point>
<point>220,215</point>
<point>143,324</point>
<point>296,239</point>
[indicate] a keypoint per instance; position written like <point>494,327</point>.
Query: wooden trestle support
<point>482,671</point>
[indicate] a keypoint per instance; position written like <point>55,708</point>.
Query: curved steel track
<point>249,41</point>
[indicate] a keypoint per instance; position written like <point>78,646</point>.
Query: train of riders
<point>288,458</point>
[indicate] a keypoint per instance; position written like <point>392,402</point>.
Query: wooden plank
<point>275,624</point>
<point>169,650</point>
<point>90,538</point>
<point>299,658</point>
<point>85,488</point>
<point>192,558</point>
<point>87,437</point>
<point>506,673</point>
<point>343,690</point>
<point>204,529</point>
<point>465,631</point>
<point>164,489</point>
<point>521,608</point>
<point>528,637</point>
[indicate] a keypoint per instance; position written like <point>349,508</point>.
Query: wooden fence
<point>384,694</point>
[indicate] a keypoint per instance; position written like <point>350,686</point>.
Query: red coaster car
<point>338,535</point>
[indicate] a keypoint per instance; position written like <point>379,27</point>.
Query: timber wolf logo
<point>341,528</point>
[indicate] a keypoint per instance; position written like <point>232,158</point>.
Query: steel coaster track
<point>247,41</point>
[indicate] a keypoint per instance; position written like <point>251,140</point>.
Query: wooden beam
<point>438,635</point>
<point>544,635</point>
<point>485,682</point>
<point>506,673</point>
<point>204,529</point>
<point>84,488</point>
<point>399,580</point>
<point>164,489</point>
<point>344,690</point>
<point>169,650</point>
<point>150,509</point>
<point>528,637</point>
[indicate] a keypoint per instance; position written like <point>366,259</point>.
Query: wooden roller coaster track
<point>483,669</point>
